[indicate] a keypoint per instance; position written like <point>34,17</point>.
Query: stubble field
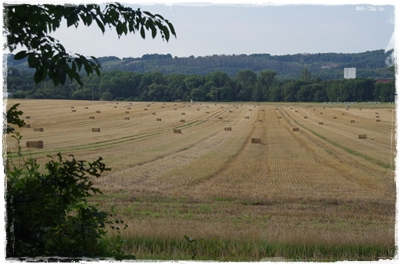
<point>320,185</point>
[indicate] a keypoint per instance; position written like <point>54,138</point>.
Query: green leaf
<point>33,61</point>
<point>142,33</point>
<point>100,24</point>
<point>20,55</point>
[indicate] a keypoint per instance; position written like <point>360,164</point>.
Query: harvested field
<point>318,184</point>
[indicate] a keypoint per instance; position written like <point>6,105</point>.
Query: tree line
<point>326,66</point>
<point>247,85</point>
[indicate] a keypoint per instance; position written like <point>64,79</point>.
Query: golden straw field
<point>318,184</point>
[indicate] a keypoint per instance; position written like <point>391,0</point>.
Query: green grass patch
<point>145,248</point>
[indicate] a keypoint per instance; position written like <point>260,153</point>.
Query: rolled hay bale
<point>34,144</point>
<point>295,111</point>
<point>126,118</point>
<point>97,111</point>
<point>320,123</point>
<point>91,117</point>
<point>256,140</point>
<point>95,129</point>
<point>228,129</point>
<point>198,109</point>
<point>246,117</point>
<point>182,120</point>
<point>296,129</point>
<point>158,119</point>
<point>362,136</point>
<point>177,131</point>
<point>352,121</point>
<point>183,113</point>
<point>38,129</point>
<point>26,126</point>
<point>305,117</point>
<point>74,110</point>
<point>378,120</point>
<point>220,118</point>
<point>27,117</point>
<point>126,112</point>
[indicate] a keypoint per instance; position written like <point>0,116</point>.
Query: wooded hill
<point>326,66</point>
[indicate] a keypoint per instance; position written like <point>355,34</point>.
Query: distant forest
<point>256,77</point>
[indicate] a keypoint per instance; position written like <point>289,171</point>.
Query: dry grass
<point>293,187</point>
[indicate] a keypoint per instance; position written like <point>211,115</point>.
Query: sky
<point>238,27</point>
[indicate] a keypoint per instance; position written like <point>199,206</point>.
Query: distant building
<point>349,73</point>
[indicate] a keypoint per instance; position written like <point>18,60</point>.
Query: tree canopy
<point>29,26</point>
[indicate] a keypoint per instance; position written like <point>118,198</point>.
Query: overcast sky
<point>237,27</point>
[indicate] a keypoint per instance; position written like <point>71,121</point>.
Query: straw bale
<point>352,121</point>
<point>246,117</point>
<point>334,117</point>
<point>320,123</point>
<point>177,131</point>
<point>27,117</point>
<point>182,120</point>
<point>362,136</point>
<point>378,120</point>
<point>305,117</point>
<point>86,107</point>
<point>97,111</point>
<point>95,129</point>
<point>38,129</point>
<point>228,129</point>
<point>296,129</point>
<point>256,140</point>
<point>126,112</point>
<point>158,119</point>
<point>34,144</point>
<point>220,118</point>
<point>74,110</point>
<point>27,126</point>
<point>91,117</point>
<point>126,118</point>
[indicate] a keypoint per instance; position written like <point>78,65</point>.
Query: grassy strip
<point>145,248</point>
<point>348,150</point>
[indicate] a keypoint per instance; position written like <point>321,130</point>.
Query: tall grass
<point>157,248</point>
